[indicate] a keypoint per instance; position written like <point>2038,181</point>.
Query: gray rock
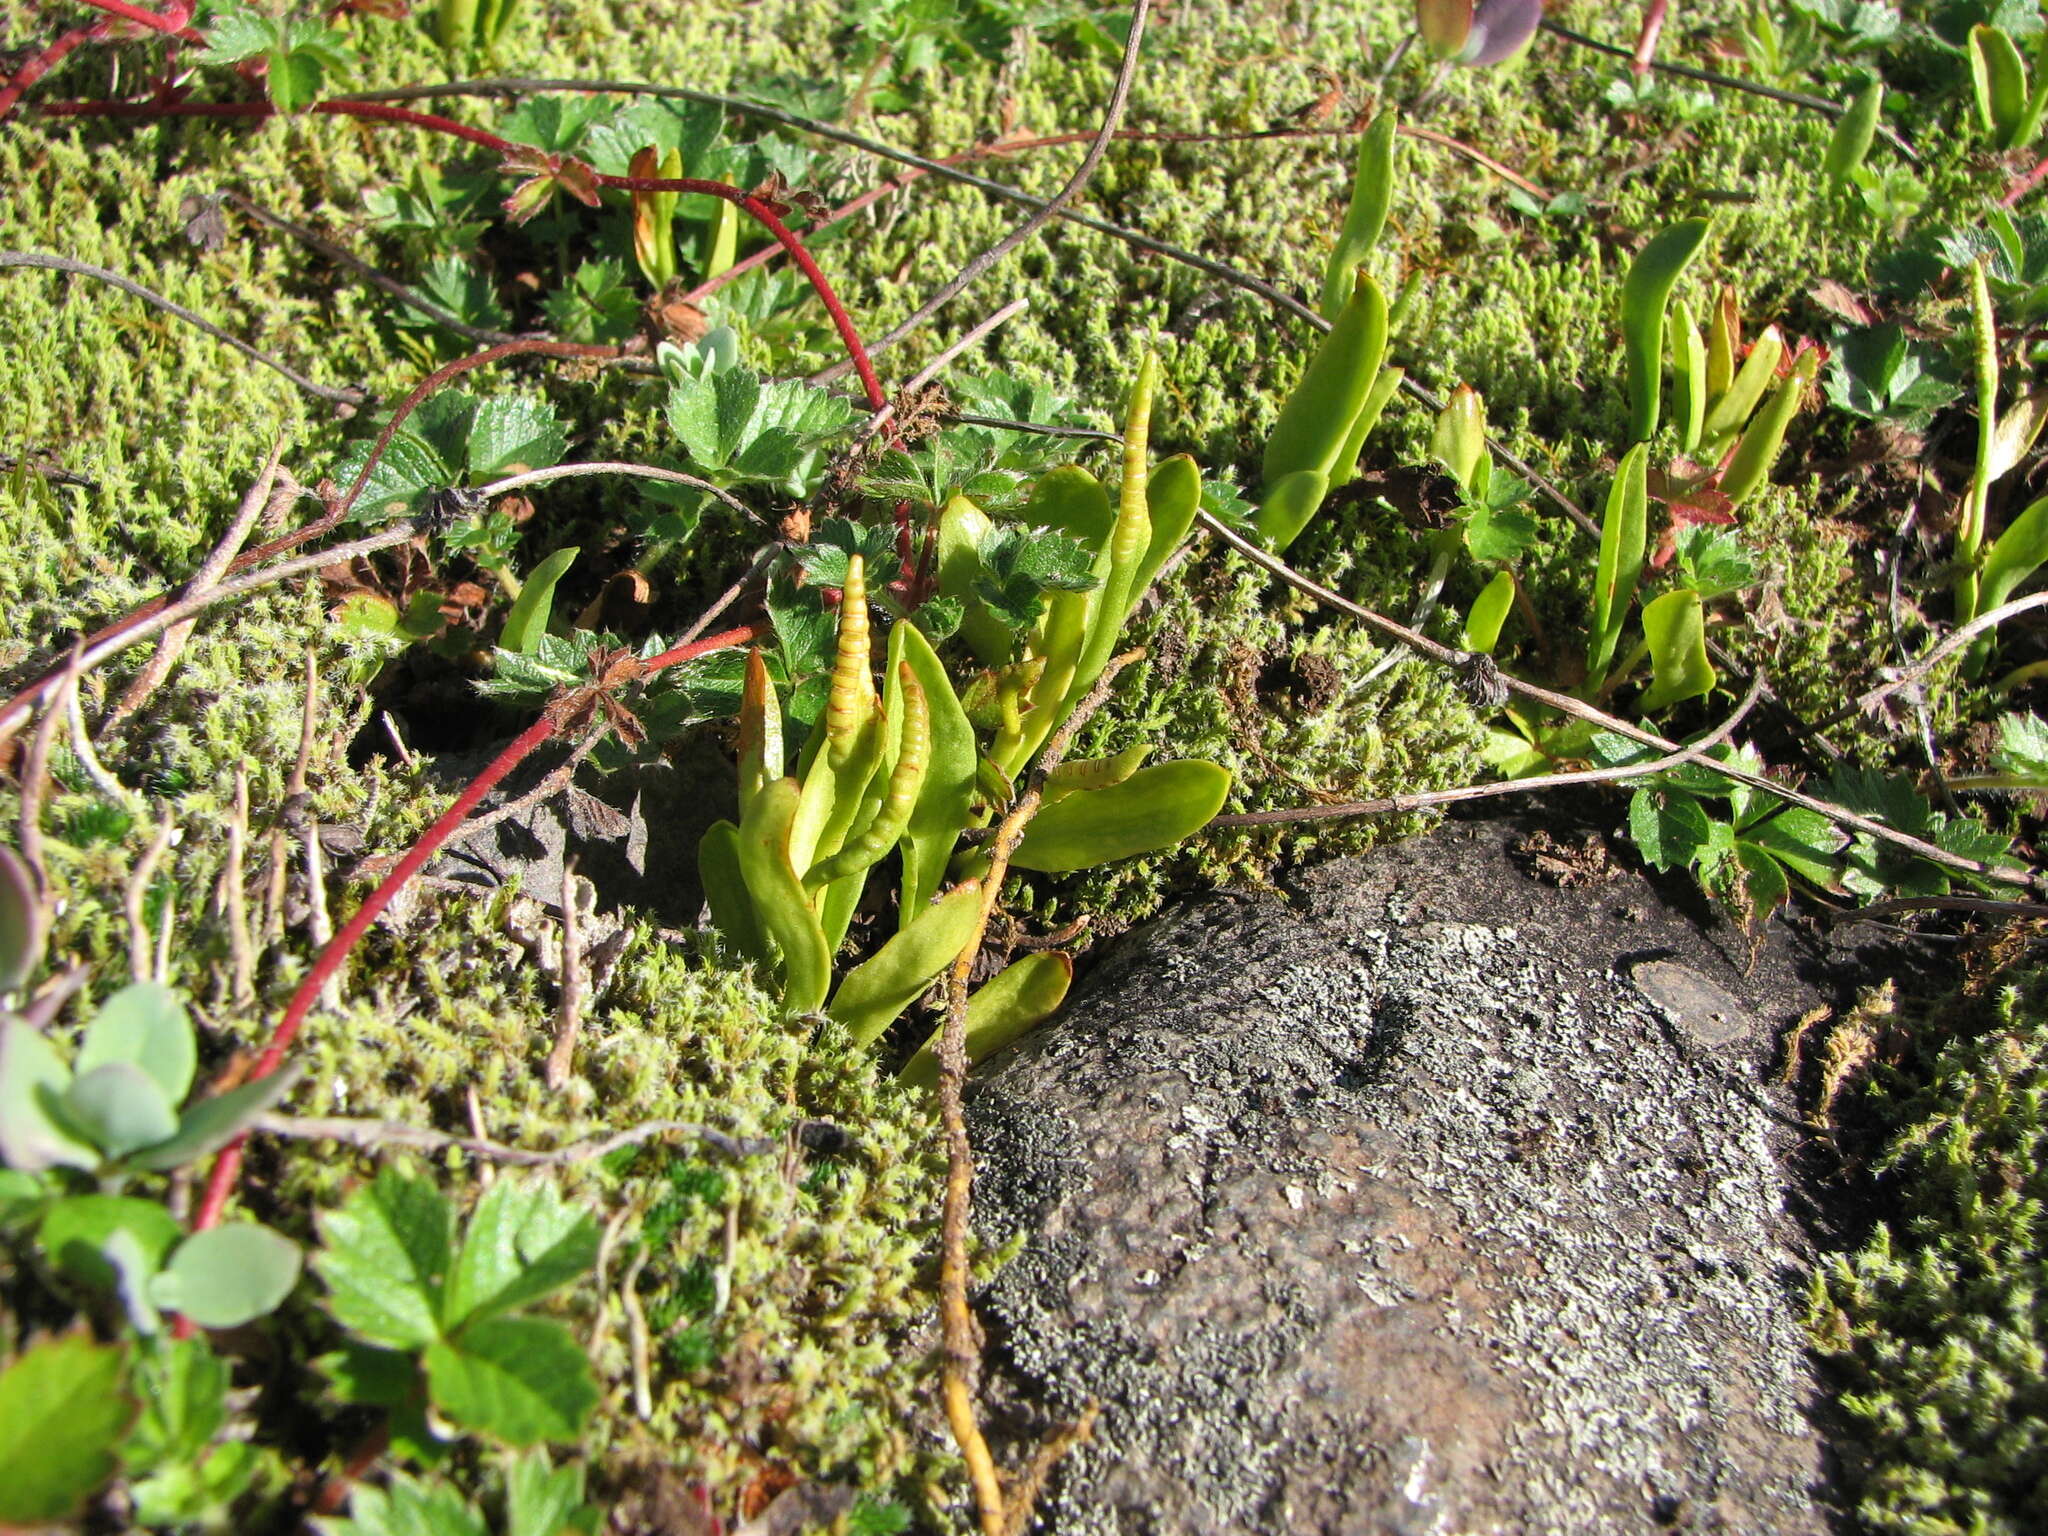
<point>1400,1208</point>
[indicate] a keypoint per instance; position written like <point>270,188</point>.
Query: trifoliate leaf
<point>823,560</point>
<point>522,1242</point>
<point>1498,534</point>
<point>1020,565</point>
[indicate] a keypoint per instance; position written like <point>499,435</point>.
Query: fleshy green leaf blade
<point>34,1133</point>
<point>1152,809</point>
<point>145,1025</point>
<point>1651,277</point>
<point>527,619</point>
<point>212,1123</point>
<point>228,1275</point>
<point>121,1108</point>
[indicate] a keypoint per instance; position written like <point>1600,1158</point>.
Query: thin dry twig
<point>1904,677</point>
<point>344,395</point>
<point>241,954</point>
<point>135,901</point>
<point>258,503</point>
<point>614,467</point>
<point>636,1335</point>
<point>878,419</point>
<point>390,1135</point>
<point>35,772</point>
<point>1983,905</point>
<point>961,1349</point>
<point>569,1008</point>
<point>400,532</point>
<point>1565,704</point>
<point>1040,216</point>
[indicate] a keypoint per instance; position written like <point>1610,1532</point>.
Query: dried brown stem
<point>1396,804</point>
<point>961,1350</point>
<point>211,571</point>
<point>135,901</point>
<point>569,1008</point>
<point>1906,676</point>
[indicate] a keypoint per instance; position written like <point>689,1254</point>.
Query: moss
<point>1938,1325</point>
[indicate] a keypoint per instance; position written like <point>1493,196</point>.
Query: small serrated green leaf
<point>1669,827</point>
<point>523,1241</point>
<point>64,1409</point>
<point>385,1255</point>
<point>520,1379</point>
<point>511,433</point>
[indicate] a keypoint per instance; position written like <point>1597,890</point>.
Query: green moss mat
<point>1938,1326</point>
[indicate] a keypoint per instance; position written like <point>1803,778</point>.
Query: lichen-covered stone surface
<point>1396,1205</point>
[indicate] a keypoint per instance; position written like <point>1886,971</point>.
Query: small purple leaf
<point>1500,30</point>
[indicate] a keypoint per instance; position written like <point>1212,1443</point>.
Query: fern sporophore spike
<point>882,833</point>
<point>851,703</point>
<point>760,746</point>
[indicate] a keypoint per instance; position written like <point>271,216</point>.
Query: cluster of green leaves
<point>538,1500</point>
<point>298,54</point>
<point>1745,845</point>
<point>741,429</point>
<point>836,776</point>
<point>74,1137</point>
<point>438,1323</point>
<point>454,440</point>
<point>900,47</point>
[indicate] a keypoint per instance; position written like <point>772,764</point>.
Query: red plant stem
<point>173,23</point>
<point>2025,184</point>
<point>44,62</point>
<point>1646,40</point>
<point>762,212</point>
<point>221,1182</point>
